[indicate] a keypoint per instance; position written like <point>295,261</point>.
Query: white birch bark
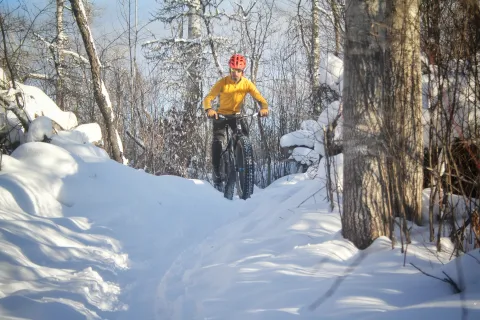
<point>315,57</point>
<point>101,94</point>
<point>60,56</point>
<point>193,80</point>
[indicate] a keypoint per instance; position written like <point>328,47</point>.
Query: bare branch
<point>448,279</point>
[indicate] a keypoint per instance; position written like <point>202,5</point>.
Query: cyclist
<point>232,90</point>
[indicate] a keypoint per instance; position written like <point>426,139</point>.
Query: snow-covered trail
<point>85,237</point>
<point>285,258</point>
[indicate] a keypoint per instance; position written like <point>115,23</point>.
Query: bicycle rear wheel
<point>245,169</point>
<point>228,174</point>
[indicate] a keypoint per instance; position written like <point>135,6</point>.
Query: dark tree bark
<point>382,108</point>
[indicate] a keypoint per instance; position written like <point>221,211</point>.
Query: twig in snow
<point>337,282</point>
<point>468,254</point>
<point>447,280</point>
<point>310,196</point>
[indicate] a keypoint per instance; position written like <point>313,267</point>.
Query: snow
<point>305,155</point>
<point>298,138</point>
<point>329,114</point>
<point>84,237</point>
<point>40,128</point>
<point>89,132</point>
<point>308,140</point>
<point>310,125</point>
<point>331,72</point>
<point>458,204</point>
<point>318,171</point>
<point>37,103</point>
<point>46,119</point>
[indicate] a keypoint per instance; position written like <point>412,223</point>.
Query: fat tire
<point>245,167</point>
<point>229,174</point>
<point>223,168</point>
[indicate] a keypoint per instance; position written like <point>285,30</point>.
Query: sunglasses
<point>236,70</point>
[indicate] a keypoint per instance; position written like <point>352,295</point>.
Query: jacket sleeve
<point>257,96</point>
<point>214,92</point>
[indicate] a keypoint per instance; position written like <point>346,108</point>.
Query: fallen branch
<point>448,279</point>
<point>310,196</point>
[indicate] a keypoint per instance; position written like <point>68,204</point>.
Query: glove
<point>212,113</point>
<point>263,113</point>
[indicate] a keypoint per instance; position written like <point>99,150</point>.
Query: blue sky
<point>110,9</point>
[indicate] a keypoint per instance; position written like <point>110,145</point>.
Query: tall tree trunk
<point>382,110</point>
<point>132,45</point>
<point>60,56</point>
<point>366,209</point>
<point>99,90</point>
<point>405,107</point>
<point>193,81</point>
<point>193,92</point>
<point>312,51</point>
<point>336,26</point>
<point>315,59</point>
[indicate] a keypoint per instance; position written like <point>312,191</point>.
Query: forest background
<point>142,81</point>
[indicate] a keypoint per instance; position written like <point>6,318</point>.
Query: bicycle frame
<point>233,136</point>
<point>232,141</point>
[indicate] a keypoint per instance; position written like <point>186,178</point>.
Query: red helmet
<point>237,61</point>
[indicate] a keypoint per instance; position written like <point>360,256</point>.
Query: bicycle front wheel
<point>245,169</point>
<point>228,169</point>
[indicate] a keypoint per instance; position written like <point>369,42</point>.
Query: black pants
<point>219,135</point>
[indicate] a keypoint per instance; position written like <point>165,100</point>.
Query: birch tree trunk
<point>132,49</point>
<point>60,56</point>
<point>193,81</point>
<point>99,90</point>
<point>315,59</point>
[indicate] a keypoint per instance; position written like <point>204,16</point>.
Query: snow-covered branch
<point>53,45</point>
<point>75,55</point>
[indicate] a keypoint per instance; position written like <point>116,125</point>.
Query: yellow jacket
<point>232,95</point>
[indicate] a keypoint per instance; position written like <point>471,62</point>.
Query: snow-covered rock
<point>40,128</point>
<point>37,103</point>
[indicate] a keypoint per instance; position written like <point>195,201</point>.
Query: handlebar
<point>237,116</point>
